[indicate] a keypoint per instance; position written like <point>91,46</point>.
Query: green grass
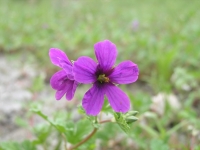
<point>165,46</point>
<point>167,36</point>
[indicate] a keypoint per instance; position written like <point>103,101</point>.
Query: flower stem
<point>89,136</point>
<point>84,140</point>
<point>104,121</point>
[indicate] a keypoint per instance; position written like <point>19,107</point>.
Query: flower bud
<point>131,119</point>
<point>131,113</point>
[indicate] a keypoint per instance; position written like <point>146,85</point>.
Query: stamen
<point>102,78</point>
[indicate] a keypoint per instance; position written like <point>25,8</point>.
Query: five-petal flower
<point>63,80</point>
<point>104,76</point>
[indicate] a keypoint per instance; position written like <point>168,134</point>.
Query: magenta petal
<point>61,93</point>
<point>57,56</point>
<point>126,72</point>
<point>106,54</point>
<point>68,69</point>
<point>84,70</point>
<point>118,100</point>
<point>93,100</point>
<point>60,82</point>
<point>68,89</point>
<point>57,81</point>
<point>71,91</point>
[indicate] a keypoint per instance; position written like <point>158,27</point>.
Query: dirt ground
<point>16,79</point>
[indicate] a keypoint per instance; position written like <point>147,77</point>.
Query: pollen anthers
<point>102,78</point>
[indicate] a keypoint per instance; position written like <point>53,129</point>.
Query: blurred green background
<point>162,37</point>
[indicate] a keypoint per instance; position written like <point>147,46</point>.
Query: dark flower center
<point>102,78</point>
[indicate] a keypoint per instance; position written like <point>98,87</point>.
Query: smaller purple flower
<point>135,25</point>
<point>62,81</point>
<point>104,76</point>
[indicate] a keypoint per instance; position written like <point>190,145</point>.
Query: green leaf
<point>10,146</point>
<point>150,131</point>
<point>28,145</point>
<point>73,132</point>
<point>158,144</point>
<point>21,122</point>
<point>42,132</point>
<point>60,126</point>
<point>92,119</point>
<point>81,128</point>
<point>25,145</point>
<point>197,147</point>
<point>38,83</point>
<point>121,121</point>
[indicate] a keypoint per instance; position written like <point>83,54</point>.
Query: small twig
<point>32,117</point>
<point>84,140</point>
<point>44,146</point>
<point>192,142</point>
<point>65,141</point>
<point>105,121</point>
<point>89,136</point>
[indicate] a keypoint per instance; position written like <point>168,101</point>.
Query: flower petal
<point>118,100</point>
<point>84,70</point>
<point>57,81</point>
<point>67,89</point>
<point>56,56</point>
<point>93,100</point>
<point>60,82</point>
<point>71,91</point>
<point>106,54</point>
<point>61,93</point>
<point>68,69</point>
<point>126,72</point>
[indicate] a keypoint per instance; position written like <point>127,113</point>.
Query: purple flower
<point>62,81</point>
<point>104,76</point>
